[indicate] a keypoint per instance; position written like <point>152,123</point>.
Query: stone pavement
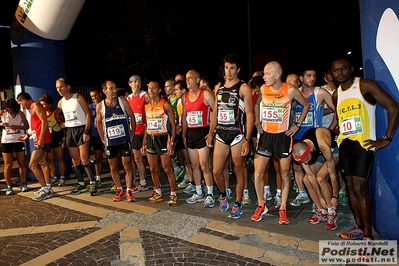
<point>93,230</point>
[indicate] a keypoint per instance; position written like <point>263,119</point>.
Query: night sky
<point>115,39</point>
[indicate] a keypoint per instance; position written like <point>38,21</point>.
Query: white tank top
<point>11,135</point>
<point>73,112</point>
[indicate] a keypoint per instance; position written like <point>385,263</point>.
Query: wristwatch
<point>298,125</point>
<point>173,143</point>
<point>386,138</point>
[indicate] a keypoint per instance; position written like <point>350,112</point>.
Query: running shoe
<point>61,182</point>
<point>179,173</point>
<point>184,182</point>
<point>209,201</point>
<point>43,195</point>
<point>98,183</point>
<point>37,193</point>
<point>139,188</point>
<point>267,195</point>
<point>196,198</point>
<point>229,194</point>
<point>114,188</point>
<point>283,217</point>
<point>342,199</point>
<point>24,188</point>
<point>317,217</point>
<point>190,189</point>
<point>236,211</point>
<point>119,195</point>
<point>300,199</point>
<point>54,180</point>
<point>156,198</point>
<point>259,212</point>
<point>295,187</point>
<point>92,189</point>
<point>9,191</point>
<point>78,189</point>
<point>129,195</point>
<point>245,197</point>
<point>355,233</point>
<point>331,223</point>
<point>314,208</point>
<point>224,204</point>
<point>277,201</point>
<point>172,200</point>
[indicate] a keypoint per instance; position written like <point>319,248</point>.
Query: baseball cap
<point>134,78</point>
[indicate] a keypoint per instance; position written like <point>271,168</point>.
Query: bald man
<point>317,152</point>
<point>273,119</point>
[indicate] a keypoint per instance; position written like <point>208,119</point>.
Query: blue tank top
<point>314,117</point>
<point>115,120</point>
<point>94,132</point>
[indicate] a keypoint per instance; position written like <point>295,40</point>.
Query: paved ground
<point>85,230</point>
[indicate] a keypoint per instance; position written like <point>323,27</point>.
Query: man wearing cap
<point>317,152</point>
<point>137,101</point>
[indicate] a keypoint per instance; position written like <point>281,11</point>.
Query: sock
<point>331,210</point>
<point>173,193</point>
<point>78,173</point>
<point>128,189</point>
<point>89,172</point>
<point>323,211</point>
<point>177,169</point>
<point>159,191</point>
<point>98,177</point>
<point>302,192</point>
<point>267,188</point>
<point>143,182</point>
<point>92,182</point>
<point>198,189</point>
<point>237,203</point>
<point>210,190</point>
<point>279,192</point>
<point>81,183</point>
<point>245,191</point>
<point>62,177</point>
<point>223,194</point>
<point>120,188</point>
<point>48,185</point>
<point>46,189</point>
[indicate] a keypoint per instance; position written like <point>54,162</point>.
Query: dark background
<point>115,39</point>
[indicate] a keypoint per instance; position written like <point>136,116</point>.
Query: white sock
<point>143,182</point>
<point>210,190</point>
<point>198,189</point>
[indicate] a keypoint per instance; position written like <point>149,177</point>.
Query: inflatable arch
<point>41,26</point>
<point>38,32</point>
<point>380,39</point>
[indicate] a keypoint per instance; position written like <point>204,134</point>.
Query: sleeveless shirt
<point>94,131</point>
<point>275,110</point>
<point>156,118</point>
<point>230,110</point>
<point>356,117</point>
<point>314,117</point>
<point>11,135</point>
<point>137,103</point>
<point>115,122</point>
<point>197,111</point>
<point>73,112</point>
<point>36,125</point>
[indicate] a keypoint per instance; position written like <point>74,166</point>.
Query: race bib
<point>351,126</point>
<point>71,116</point>
<point>308,119</point>
<point>11,131</point>
<point>226,117</point>
<point>154,124</point>
<point>115,132</point>
<point>272,114</point>
<point>139,118</point>
<point>194,120</point>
